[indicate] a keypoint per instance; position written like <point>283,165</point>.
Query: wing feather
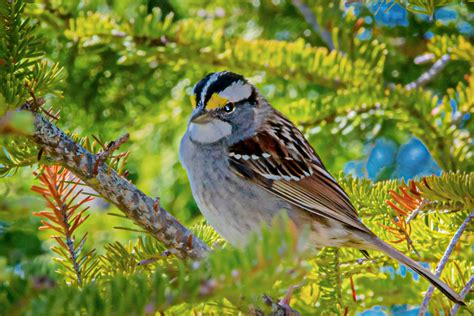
<point>280,160</point>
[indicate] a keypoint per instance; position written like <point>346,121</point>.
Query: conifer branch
<point>430,74</point>
<point>443,261</point>
<point>61,149</point>
<point>406,205</point>
<point>463,294</point>
<point>64,216</point>
<point>111,147</point>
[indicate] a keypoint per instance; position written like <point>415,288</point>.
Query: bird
<point>246,163</point>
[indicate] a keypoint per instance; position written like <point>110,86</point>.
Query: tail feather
<point>433,279</point>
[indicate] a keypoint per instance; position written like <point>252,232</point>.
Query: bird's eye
<point>229,108</point>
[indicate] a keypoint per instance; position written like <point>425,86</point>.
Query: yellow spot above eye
<point>216,101</point>
<point>193,100</point>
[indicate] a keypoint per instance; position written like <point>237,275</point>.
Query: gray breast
<point>231,205</point>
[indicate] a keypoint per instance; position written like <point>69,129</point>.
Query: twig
<point>423,59</point>
<point>415,212</point>
<point>443,261</point>
<point>413,215</point>
<point>64,214</point>
<point>72,251</point>
<point>463,294</point>
<point>37,103</point>
<point>61,149</point>
<point>353,290</point>
<point>111,147</point>
<point>429,75</point>
<point>54,117</point>
<point>311,20</point>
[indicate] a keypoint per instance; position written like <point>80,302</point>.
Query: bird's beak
<point>200,116</point>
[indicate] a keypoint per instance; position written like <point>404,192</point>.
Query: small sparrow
<point>246,162</point>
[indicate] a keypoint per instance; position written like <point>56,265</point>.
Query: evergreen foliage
<point>112,67</point>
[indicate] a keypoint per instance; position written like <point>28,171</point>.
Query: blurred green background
<point>129,66</point>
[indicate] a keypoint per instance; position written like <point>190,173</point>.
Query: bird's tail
<point>433,279</point>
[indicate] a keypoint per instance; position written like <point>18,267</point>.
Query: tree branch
<point>429,75</point>
<point>111,147</point>
<point>463,294</point>
<point>311,20</point>
<point>62,150</point>
<point>443,261</point>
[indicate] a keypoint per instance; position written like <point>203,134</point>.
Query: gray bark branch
<point>62,150</point>
<point>442,263</point>
<point>463,294</point>
<point>430,74</point>
<point>311,20</point>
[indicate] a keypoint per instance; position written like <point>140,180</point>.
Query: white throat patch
<point>209,133</point>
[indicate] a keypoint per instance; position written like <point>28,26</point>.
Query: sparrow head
<point>225,107</point>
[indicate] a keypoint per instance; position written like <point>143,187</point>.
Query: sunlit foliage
<point>349,73</point>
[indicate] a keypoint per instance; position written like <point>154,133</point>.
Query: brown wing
<point>279,159</point>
